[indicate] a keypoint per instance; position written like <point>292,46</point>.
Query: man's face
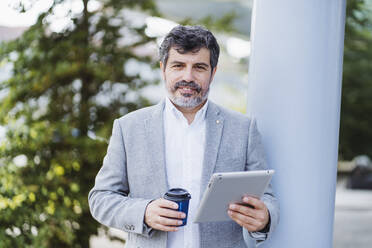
<point>187,77</point>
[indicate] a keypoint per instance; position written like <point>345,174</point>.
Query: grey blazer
<point>133,173</point>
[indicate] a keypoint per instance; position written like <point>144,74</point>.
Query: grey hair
<point>189,39</point>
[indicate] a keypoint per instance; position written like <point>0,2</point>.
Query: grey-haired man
<point>180,142</point>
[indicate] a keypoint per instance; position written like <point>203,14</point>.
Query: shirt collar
<point>170,108</point>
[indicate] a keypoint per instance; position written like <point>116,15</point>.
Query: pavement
<point>353,217</point>
<point>102,241</point>
<point>352,228</point>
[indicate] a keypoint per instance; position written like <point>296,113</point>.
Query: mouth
<point>186,90</point>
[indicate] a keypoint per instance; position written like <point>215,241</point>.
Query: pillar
<point>294,93</point>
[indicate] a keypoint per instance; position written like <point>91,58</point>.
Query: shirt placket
<point>188,178</point>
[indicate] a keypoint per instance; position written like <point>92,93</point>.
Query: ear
<point>162,69</point>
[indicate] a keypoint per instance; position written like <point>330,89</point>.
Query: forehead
<point>200,56</point>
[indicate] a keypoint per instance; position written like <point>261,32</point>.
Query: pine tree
<point>356,104</point>
<point>65,90</point>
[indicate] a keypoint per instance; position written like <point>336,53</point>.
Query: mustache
<point>190,84</point>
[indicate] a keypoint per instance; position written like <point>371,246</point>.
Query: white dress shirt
<point>184,146</point>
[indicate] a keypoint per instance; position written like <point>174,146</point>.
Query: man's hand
<point>159,215</point>
<point>253,218</point>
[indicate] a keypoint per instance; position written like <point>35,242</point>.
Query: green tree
<point>356,105</point>
<point>65,90</point>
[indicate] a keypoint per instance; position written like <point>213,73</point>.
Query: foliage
<point>65,90</point>
<point>356,105</point>
<point>224,23</point>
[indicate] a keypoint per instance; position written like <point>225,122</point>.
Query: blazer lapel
<point>214,127</point>
<point>156,147</point>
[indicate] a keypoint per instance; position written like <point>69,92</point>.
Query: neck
<point>189,113</point>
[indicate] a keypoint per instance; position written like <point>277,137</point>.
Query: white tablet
<point>230,187</point>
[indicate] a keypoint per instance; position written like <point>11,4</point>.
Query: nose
<point>188,75</point>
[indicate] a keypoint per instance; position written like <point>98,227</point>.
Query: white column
<point>294,92</point>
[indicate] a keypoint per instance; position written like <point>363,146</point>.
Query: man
<point>180,142</point>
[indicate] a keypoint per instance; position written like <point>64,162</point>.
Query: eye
<point>201,67</point>
<point>177,66</point>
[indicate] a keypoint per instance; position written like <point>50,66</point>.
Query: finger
<point>171,213</point>
<point>246,226</point>
<point>167,204</point>
<point>259,215</point>
<point>256,203</point>
<point>165,228</point>
<point>247,220</point>
<point>168,222</point>
<point>243,210</point>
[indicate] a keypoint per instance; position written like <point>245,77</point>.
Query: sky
<point>12,18</point>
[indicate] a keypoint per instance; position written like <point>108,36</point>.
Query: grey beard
<point>188,102</point>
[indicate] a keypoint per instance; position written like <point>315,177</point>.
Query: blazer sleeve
<point>108,200</point>
<point>256,161</point>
